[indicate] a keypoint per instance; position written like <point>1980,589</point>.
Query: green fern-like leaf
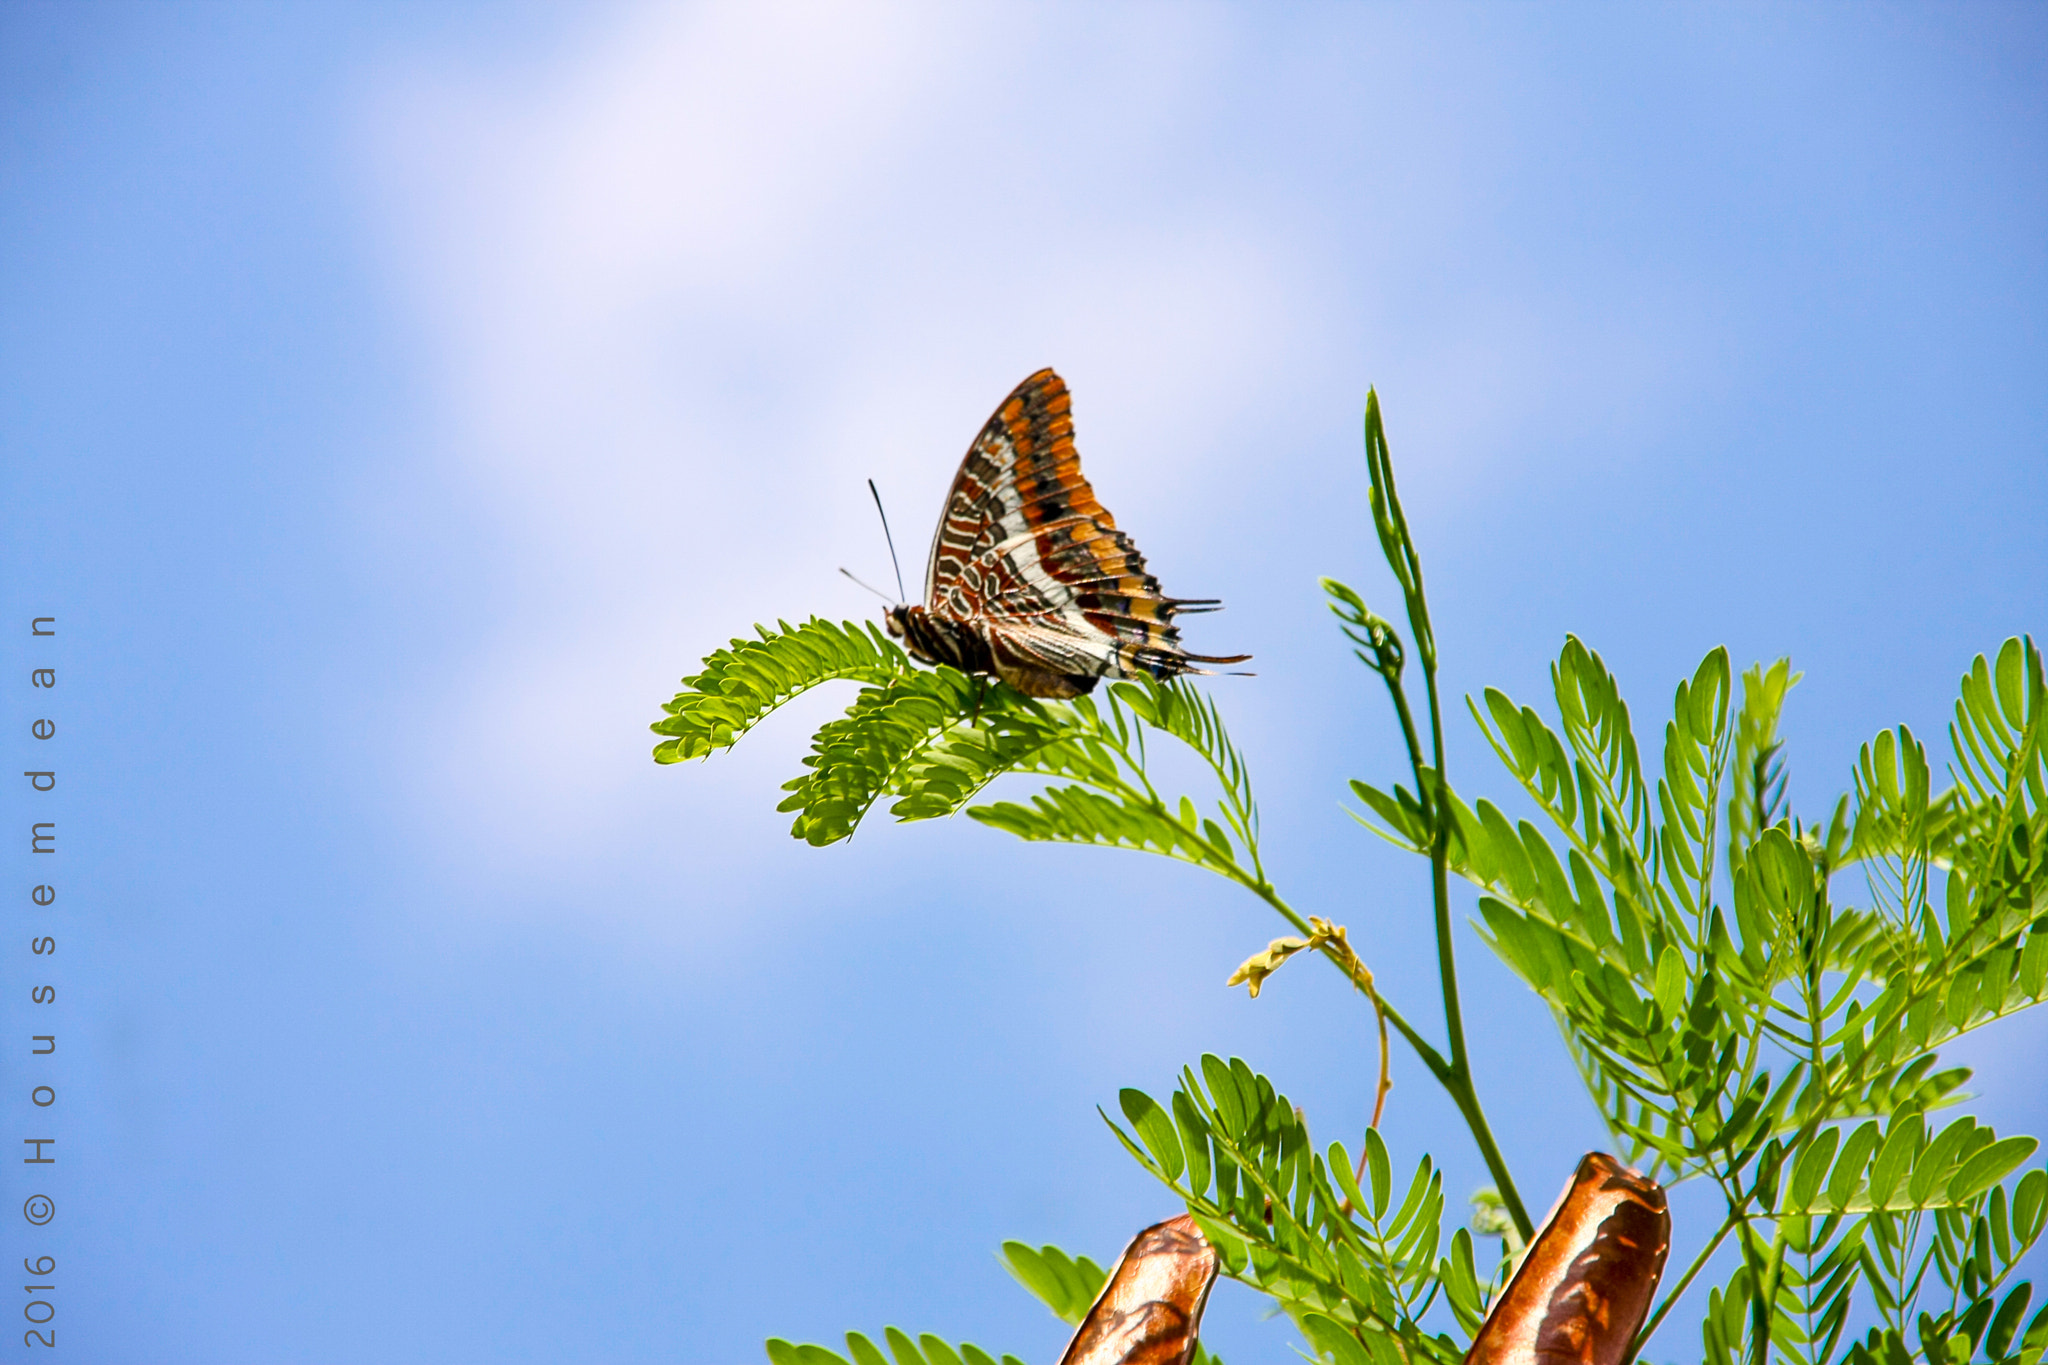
<point>862,756</point>
<point>1696,752</point>
<point>1013,734</point>
<point>2000,736</point>
<point>1181,711</point>
<point>1294,1222</point>
<point>1076,815</point>
<point>1113,804</point>
<point>1596,724</point>
<point>1997,729</point>
<point>1757,797</point>
<point>926,1349</point>
<point>1065,1284</point>
<point>933,739</point>
<point>743,683</point>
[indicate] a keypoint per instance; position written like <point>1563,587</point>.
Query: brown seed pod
<point>1585,1285</point>
<point>1150,1308</point>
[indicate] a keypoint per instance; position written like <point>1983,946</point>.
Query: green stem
<point>1271,897</point>
<point>1431,1058</point>
<point>1440,894</point>
<point>1454,1075</point>
<point>1677,1291</point>
<point>1442,1070</point>
<point>1462,1090</point>
<point>1763,1289</point>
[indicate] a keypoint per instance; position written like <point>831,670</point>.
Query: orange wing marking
<point>1029,577</point>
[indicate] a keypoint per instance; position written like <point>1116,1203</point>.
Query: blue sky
<point>396,401</point>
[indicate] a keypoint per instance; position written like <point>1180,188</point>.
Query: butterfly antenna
<point>871,588</point>
<point>901,596</point>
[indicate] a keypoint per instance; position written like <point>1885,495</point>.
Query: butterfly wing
<point>1031,562</point>
<point>1150,1309</point>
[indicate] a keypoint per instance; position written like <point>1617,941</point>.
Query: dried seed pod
<point>1585,1285</point>
<point>1150,1308</point>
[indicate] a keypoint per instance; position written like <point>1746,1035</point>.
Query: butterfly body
<point>1029,579</point>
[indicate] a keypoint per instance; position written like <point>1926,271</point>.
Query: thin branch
<point>1379,1096</point>
<point>1677,1291</point>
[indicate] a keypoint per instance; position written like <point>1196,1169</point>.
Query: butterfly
<point>1150,1308</point>
<point>1585,1285</point>
<point>1029,578</point>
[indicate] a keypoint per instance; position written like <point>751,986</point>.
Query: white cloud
<point>682,287</point>
<point>681,284</point>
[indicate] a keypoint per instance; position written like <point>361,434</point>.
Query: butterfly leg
<point>980,696</point>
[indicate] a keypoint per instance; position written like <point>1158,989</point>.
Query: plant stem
<point>1454,1075</point>
<point>1379,1095</point>
<point>1462,1090</point>
<point>1440,877</point>
<point>1355,971</point>
<point>1763,1291</point>
<point>1673,1294</point>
